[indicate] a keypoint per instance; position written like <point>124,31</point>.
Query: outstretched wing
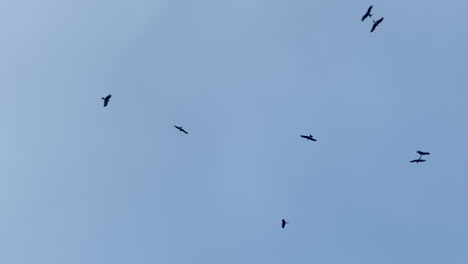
<point>313,139</point>
<point>106,102</point>
<point>373,27</point>
<point>369,9</point>
<point>183,130</point>
<point>378,21</point>
<point>363,17</point>
<point>302,136</point>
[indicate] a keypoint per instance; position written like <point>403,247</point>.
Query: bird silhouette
<point>309,137</point>
<point>367,14</point>
<point>283,223</point>
<point>181,129</point>
<point>376,23</point>
<point>106,99</point>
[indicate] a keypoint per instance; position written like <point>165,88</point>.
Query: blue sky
<point>80,183</point>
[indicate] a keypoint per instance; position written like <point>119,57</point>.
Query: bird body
<point>367,14</point>
<point>106,99</point>
<point>376,23</point>
<point>309,137</point>
<point>181,129</point>
<point>283,223</point>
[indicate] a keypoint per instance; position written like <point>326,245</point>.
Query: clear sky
<point>80,183</point>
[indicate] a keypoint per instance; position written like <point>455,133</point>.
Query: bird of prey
<point>283,223</point>
<point>106,99</point>
<point>309,137</point>
<point>367,14</point>
<point>376,23</point>
<point>423,153</point>
<point>181,129</point>
<point>418,160</point>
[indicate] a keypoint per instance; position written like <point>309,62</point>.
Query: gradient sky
<point>80,183</point>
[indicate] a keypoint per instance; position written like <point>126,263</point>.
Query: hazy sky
<point>80,183</point>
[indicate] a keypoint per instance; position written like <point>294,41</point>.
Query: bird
<point>181,129</point>
<point>309,137</point>
<point>283,223</point>
<point>376,23</point>
<point>423,153</point>
<point>418,160</point>
<point>367,14</point>
<point>106,99</point>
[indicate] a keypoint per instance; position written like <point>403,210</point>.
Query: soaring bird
<point>309,137</point>
<point>376,23</point>
<point>367,14</point>
<point>283,223</point>
<point>106,99</point>
<point>181,129</point>
<point>423,153</point>
<point>418,160</point>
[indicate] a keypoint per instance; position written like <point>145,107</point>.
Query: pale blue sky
<point>80,183</point>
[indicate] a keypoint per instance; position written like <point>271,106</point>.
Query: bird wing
<point>380,20</point>
<point>363,17</point>
<point>369,9</point>
<point>183,130</point>
<point>302,136</point>
<point>373,27</point>
<point>106,102</point>
<point>109,96</point>
<point>313,139</point>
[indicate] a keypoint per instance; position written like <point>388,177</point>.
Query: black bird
<point>181,129</point>
<point>376,23</point>
<point>283,223</point>
<point>106,99</point>
<point>367,14</point>
<point>418,160</point>
<point>423,153</point>
<point>309,137</point>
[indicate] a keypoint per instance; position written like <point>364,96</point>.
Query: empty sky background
<point>80,183</point>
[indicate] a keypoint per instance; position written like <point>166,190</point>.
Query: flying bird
<point>309,137</point>
<point>418,160</point>
<point>423,153</point>
<point>367,14</point>
<point>106,99</point>
<point>283,223</point>
<point>376,23</point>
<point>181,129</point>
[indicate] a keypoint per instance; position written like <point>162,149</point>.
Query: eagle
<point>181,129</point>
<point>423,153</point>
<point>367,14</point>
<point>106,99</point>
<point>376,23</point>
<point>309,137</point>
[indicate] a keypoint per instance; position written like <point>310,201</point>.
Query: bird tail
<point>103,98</point>
<point>370,15</point>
